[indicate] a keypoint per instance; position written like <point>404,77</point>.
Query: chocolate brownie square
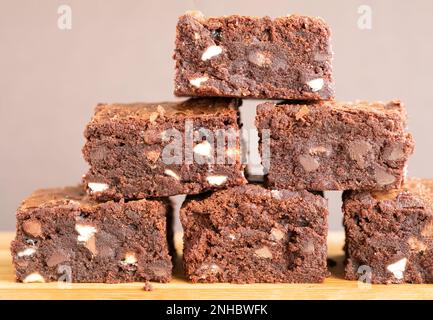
<point>62,235</point>
<point>239,56</point>
<point>389,235</point>
<point>333,145</point>
<point>250,234</point>
<point>145,150</point>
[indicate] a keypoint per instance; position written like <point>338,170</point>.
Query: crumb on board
<point>148,286</point>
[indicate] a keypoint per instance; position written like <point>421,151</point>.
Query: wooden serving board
<point>335,287</point>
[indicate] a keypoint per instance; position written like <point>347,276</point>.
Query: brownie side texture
<point>64,236</point>
<point>389,235</point>
<point>334,145</point>
<point>239,56</point>
<point>250,234</point>
<point>162,149</point>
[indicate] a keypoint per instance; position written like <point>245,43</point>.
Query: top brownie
<point>163,149</point>
<point>334,145</point>
<point>236,56</point>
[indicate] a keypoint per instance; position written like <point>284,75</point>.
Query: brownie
<point>237,56</point>
<point>332,145</point>
<point>389,234</point>
<point>62,235</point>
<point>145,150</point>
<point>248,234</point>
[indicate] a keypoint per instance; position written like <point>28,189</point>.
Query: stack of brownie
<point>255,232</point>
<point>116,226</point>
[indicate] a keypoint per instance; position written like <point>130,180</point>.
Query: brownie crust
<point>391,233</point>
<point>63,233</point>
<point>249,234</point>
<point>239,56</point>
<point>127,147</point>
<point>334,145</point>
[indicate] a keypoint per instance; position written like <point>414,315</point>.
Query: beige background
<point>121,51</point>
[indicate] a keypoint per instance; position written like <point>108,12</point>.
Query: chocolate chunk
<point>32,227</point>
<point>358,151</point>
<point>383,178</point>
<point>308,163</point>
<point>56,258</point>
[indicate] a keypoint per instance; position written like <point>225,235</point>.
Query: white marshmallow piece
<point>216,180</point>
<point>211,52</point>
<point>172,174</point>
<point>34,277</point>
<point>97,187</point>
<point>204,149</point>
<point>85,232</point>
<point>26,252</point>
<point>129,259</point>
<point>397,268</point>
<point>231,237</point>
<point>316,84</point>
<point>196,82</point>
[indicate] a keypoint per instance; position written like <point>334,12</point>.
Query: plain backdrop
<point>121,50</point>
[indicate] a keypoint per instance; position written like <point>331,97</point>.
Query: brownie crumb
<point>148,286</point>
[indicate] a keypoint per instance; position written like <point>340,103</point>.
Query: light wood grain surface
<point>335,287</point>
